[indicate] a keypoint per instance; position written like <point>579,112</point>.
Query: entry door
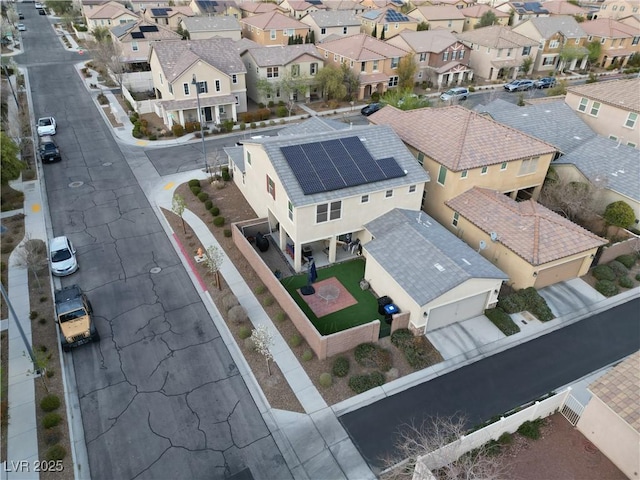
<point>206,113</point>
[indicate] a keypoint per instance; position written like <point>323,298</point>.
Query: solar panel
<point>390,167</point>
<point>160,12</point>
<point>148,28</point>
<point>137,35</point>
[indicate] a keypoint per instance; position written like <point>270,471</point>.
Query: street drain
<point>155,270</point>
<point>75,184</point>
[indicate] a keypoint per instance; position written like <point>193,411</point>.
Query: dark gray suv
<point>48,150</point>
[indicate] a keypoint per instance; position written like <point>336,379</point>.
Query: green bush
<point>253,125</point>
<point>50,403</point>
<point>56,453</point>
<point>218,221</point>
<point>401,338</point>
<point>325,380</point>
<point>203,196</point>
<point>214,211</point>
<point>195,190</point>
<point>227,233</point>
<point>243,126</point>
<point>505,439</point>
<point>340,367</point>
<point>281,317</point>
<point>619,214</point>
<point>513,303</point>
<point>373,356</point>
<point>502,320</point>
<point>268,301</point>
<point>415,349</point>
<point>362,383</point>
<point>627,260</point>
<point>603,272</point>
<point>307,355</point>
<point>208,204</point>
<point>178,130</point>
<point>527,299</point>
<point>51,420</point>
<point>531,429</point>
<point>625,282</point>
<point>281,112</point>
<point>244,332</point>
<point>295,340</point>
<point>33,315</point>
<point>194,182</point>
<point>638,277</point>
<point>606,288</point>
<point>618,268</point>
<point>102,99</point>
<point>260,289</point>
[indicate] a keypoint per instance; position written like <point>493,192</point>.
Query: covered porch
<point>453,73</point>
<point>371,83</point>
<point>213,110</point>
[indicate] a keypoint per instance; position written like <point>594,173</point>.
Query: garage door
<point>559,273</point>
<point>457,311</point>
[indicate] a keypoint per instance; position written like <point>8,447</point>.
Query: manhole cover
<point>155,270</point>
<point>75,184</point>
<point>107,164</point>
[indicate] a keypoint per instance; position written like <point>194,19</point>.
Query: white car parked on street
<point>62,257</point>
<point>46,126</point>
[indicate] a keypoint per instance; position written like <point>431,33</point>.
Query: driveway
<point>570,297</point>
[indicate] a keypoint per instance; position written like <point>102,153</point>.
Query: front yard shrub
<point>244,332</point>
<point>218,221</point>
<point>281,112</point>
<point>527,299</point>
<point>56,453</point>
<point>295,340</point>
<point>307,355</point>
<point>203,196</point>
<point>505,439</point>
<point>260,289</point>
<point>195,190</point>
<point>401,337</point>
<point>50,403</point>
<point>502,320</point>
<point>638,277</point>
<point>325,380</point>
<point>102,99</point>
<point>253,125</point>
<point>625,282</point>
<point>227,233</point>
<point>627,260</point>
<point>373,356</point>
<point>606,288</point>
<point>619,214</point>
<point>414,348</point>
<point>33,315</point>
<point>268,301</point>
<point>51,420</point>
<point>190,127</point>
<point>177,129</point>
<point>237,314</point>
<point>281,317</point>
<point>243,126</point>
<point>618,268</point>
<point>513,303</point>
<point>340,367</point>
<point>603,272</point>
<point>208,204</point>
<point>362,383</point>
<point>531,429</point>
<point>194,182</point>
<point>229,300</point>
<point>214,211</point>
<point>263,114</point>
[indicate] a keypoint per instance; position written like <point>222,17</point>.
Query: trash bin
<point>382,301</point>
<point>389,311</point>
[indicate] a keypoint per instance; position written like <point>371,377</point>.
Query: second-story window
<point>271,187</point>
<point>295,70</point>
<point>394,62</point>
<point>134,46</point>
<point>344,30</point>
<point>363,66</point>
<point>554,44</point>
<point>234,78</point>
<point>290,210</point>
<point>203,87</point>
<point>528,166</point>
<point>632,118</point>
<point>583,104</point>
<point>313,68</point>
<point>217,85</point>
<point>273,35</point>
<point>526,51</point>
<point>595,108</point>
<point>272,72</point>
<point>323,31</point>
<point>375,65</point>
<point>445,56</point>
<point>423,57</point>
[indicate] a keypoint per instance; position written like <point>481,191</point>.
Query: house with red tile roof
<point>249,9</point>
<point>108,15</point>
<point>619,41</point>
<point>533,245</point>
<point>273,28</point>
<point>617,9</point>
<point>134,39</point>
<point>440,16</point>
<point>299,8</point>
<point>212,8</point>
<point>335,23</point>
<point>169,17</point>
<point>563,7</point>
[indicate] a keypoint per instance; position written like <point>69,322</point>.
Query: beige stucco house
<point>497,52</point>
<point>448,17</point>
<point>134,39</point>
<point>201,28</point>
<point>617,9</point>
<point>473,14</point>
<point>311,207</point>
<point>461,149</point>
<point>273,28</point>
<point>619,41</point>
<point>386,22</point>
<point>108,15</point>
<point>611,419</point>
<point>212,66</point>
<point>334,23</point>
<point>610,108</point>
<point>523,11</point>
<point>250,9</point>
<point>563,7</point>
<point>217,8</point>
<point>168,16</point>
<point>299,8</point>
<point>533,245</point>
<point>374,61</point>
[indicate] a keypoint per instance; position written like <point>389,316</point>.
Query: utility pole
<point>15,319</point>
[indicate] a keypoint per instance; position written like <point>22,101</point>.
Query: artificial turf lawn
<point>349,273</point>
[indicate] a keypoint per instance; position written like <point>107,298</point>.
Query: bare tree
<point>262,340</point>
<point>177,206</point>
<point>577,201</point>
<point>108,54</point>
<point>436,445</point>
<point>213,262</point>
<point>33,255</point>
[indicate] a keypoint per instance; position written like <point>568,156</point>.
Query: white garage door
<point>457,311</point>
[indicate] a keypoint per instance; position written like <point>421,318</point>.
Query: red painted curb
<point>193,267</point>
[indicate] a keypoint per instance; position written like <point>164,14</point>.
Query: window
<point>393,81</point>
<point>509,50</point>
<point>221,109</point>
<point>498,55</point>
<point>203,87</point>
<point>548,60</point>
<point>234,78</point>
<point>271,187</point>
<point>272,72</point>
<point>455,220</point>
<point>186,88</point>
<point>249,157</point>
<point>323,31</point>
<point>631,120</point>
<point>288,32</point>
<point>445,56</point>
<point>273,35</point>
<point>326,211</point>
<point>313,68</point>
<point>631,144</point>
<point>290,208</point>
<point>397,25</point>
<point>217,85</point>
<point>602,40</point>
<point>503,166</point>
<point>278,92</point>
<point>326,54</point>
<point>526,51</point>
<point>420,74</point>
<point>134,46</point>
<point>335,212</point>
<point>421,158</point>
<point>386,27</point>
<point>554,44</point>
<point>528,166</point>
<point>351,64</point>
<point>237,99</point>
<point>460,54</point>
<point>364,199</point>
<point>322,213</point>
<point>375,65</point>
<point>412,188</point>
<point>335,57</point>
<point>170,89</point>
<point>484,170</point>
<point>595,108</point>
<point>577,41</point>
<point>394,62</point>
<point>590,38</point>
<point>464,174</point>
<point>583,104</point>
<point>363,66</point>
<point>388,194</point>
<point>613,137</point>
<point>344,30</point>
<point>442,175</point>
<point>450,23</point>
<point>295,70</point>
<point>635,40</point>
<point>423,57</point>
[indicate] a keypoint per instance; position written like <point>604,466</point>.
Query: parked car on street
<point>20,16</point>
<point>39,5</point>
<point>46,126</point>
<point>519,85</point>
<point>371,108</point>
<point>457,93</point>
<point>21,27</point>
<point>546,82</point>
<point>62,256</point>
<point>48,150</point>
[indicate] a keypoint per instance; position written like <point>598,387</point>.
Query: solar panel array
<point>148,28</point>
<point>336,164</point>
<point>394,16</point>
<point>137,35</point>
<point>160,12</point>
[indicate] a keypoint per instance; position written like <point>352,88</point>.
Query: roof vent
<point>439,267</point>
<point>525,114</point>
<point>362,139</point>
<point>577,137</point>
<point>494,236</point>
<point>466,261</point>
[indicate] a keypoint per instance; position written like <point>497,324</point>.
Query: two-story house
<point>250,9</point>
<point>474,13</point>
<point>374,61</point>
<point>216,7</point>
<point>300,8</point>
<point>318,189</point>
<point>497,51</point>
<point>523,11</point>
<point>378,4</point>
<point>386,22</point>
<point>274,28</point>
<point>188,73</point>
<point>609,108</point>
<point>284,67</point>
<point>563,7</point>
<point>617,9</point>
<point>168,16</point>
<point>201,28</point>
<point>619,41</point>
<point>134,39</point>
<point>456,3</point>
<point>109,15</point>
<point>448,17</point>
<point>339,23</point>
<point>441,59</point>
<point>563,43</point>
<point>344,5</point>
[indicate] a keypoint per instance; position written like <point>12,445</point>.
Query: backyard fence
<point>323,346</point>
<point>140,106</point>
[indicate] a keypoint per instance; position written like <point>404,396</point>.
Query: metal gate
<point>572,409</point>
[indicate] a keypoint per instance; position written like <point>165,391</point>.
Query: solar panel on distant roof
<point>148,28</point>
<point>137,35</point>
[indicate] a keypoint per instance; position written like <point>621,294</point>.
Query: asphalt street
<point>501,382</point>
<point>160,396</point>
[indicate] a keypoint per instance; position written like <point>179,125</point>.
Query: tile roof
<point>496,36</point>
<point>168,12</point>
<point>123,31</point>
<point>341,5</point>
<point>334,18</point>
<point>301,5</point>
<point>215,6</point>
<point>274,20</point>
<point>381,142</point>
<point>528,8</point>
<point>214,23</point>
<point>440,12</point>
<point>604,162</point>
<point>433,41</point>
<point>619,389</point>
<point>458,138</point>
<point>178,56</point>
<point>257,7</point>
<point>409,244</point>
<point>562,7</point>
<point>479,9</point>
<point>617,93</point>
<point>363,47</point>
<point>316,125</point>
<point>528,229</point>
<point>565,24</point>
<point>110,10</point>
<point>608,28</point>
<point>387,15</point>
<point>282,54</point>
<point>553,122</point>
<point>245,44</point>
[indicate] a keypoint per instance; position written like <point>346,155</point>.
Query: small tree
<point>177,206</point>
<point>595,49</point>
<point>213,262</point>
<point>568,54</point>
<point>573,200</point>
<point>423,26</point>
<point>33,255</point>
<point>330,80</point>
<point>487,19</point>
<point>265,88</point>
<point>100,34</point>
<point>10,166</point>
<point>619,214</point>
<point>263,341</point>
<point>527,63</point>
<point>406,72</point>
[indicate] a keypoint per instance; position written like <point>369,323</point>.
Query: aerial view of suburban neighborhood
<point>320,239</point>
